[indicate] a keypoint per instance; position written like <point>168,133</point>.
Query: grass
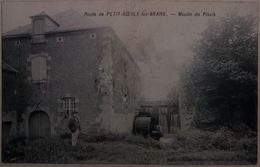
<point>188,147</point>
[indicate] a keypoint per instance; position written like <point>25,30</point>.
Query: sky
<point>161,45</point>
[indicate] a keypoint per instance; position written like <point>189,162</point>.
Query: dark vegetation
<point>188,147</point>
<point>220,84</point>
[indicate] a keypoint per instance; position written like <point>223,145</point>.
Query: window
<point>59,39</point>
<point>38,66</point>
<point>38,30</point>
<point>69,106</point>
<point>39,69</point>
<point>92,36</point>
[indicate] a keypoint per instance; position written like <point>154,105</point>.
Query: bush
<point>12,153</point>
<point>47,150</point>
<point>193,139</point>
<point>224,139</point>
<point>248,144</point>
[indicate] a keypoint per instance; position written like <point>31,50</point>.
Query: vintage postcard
<point>129,82</point>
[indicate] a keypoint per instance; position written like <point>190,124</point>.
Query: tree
<point>222,77</point>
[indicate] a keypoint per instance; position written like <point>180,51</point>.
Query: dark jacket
<point>74,124</point>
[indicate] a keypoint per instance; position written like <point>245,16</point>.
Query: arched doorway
<point>39,124</point>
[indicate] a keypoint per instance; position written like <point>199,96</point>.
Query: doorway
<point>39,125</point>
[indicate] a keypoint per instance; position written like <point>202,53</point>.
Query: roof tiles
<point>68,20</point>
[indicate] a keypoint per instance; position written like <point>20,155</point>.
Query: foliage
<point>187,147</point>
<point>222,78</point>
<point>222,139</point>
<point>54,150</point>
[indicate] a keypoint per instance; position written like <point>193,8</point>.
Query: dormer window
<point>38,30</point>
<point>41,24</point>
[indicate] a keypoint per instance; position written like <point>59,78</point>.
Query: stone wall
<point>123,84</point>
<point>72,71</point>
<point>84,64</point>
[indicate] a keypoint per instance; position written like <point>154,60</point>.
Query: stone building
<point>67,64</point>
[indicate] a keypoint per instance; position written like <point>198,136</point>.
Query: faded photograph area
<point>129,82</point>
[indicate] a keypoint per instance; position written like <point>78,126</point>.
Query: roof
<point>7,67</point>
<point>69,20</point>
<point>40,14</point>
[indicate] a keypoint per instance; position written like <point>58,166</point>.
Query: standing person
<point>74,127</point>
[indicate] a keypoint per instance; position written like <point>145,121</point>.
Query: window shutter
<point>39,68</point>
<point>39,26</point>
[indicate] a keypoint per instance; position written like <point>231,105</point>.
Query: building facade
<point>69,65</point>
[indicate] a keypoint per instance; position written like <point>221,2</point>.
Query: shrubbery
<point>95,146</point>
<point>194,139</point>
<point>54,150</point>
<point>222,139</point>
